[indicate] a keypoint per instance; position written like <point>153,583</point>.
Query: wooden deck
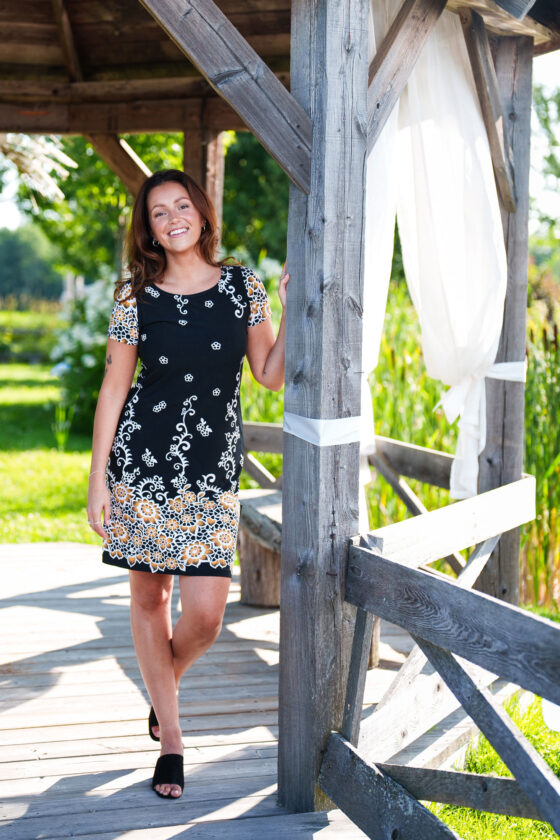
<point>76,759</point>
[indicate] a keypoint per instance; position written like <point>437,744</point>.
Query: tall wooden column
<point>502,459</point>
<point>203,160</point>
<point>329,71</point>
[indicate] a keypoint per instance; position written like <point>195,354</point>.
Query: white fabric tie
<point>468,398</point>
<point>323,432</point>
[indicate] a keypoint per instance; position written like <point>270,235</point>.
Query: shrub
<point>80,351</point>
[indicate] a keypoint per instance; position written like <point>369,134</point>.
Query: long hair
<point>146,262</point>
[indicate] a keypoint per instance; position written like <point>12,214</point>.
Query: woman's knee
<point>206,624</point>
<point>150,593</point>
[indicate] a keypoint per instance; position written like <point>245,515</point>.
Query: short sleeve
<point>123,325</point>
<point>258,299</point>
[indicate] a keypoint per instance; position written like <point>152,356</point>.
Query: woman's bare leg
<point>150,618</point>
<point>164,655</point>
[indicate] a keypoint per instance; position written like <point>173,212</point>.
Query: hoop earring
<point>203,227</point>
<point>155,243</point>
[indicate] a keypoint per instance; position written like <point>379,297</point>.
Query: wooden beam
<point>482,64</point>
<point>215,169</point>
<point>193,153</point>
<point>323,362</point>
<point>468,790</point>
<point>533,774</point>
<point>66,37</point>
<point>263,437</point>
<point>499,637</point>
<point>233,68</point>
<point>433,535</point>
<point>137,117</point>
<point>502,458</point>
<point>373,801</point>
<point>411,500</point>
<point>427,465</point>
<point>121,158</point>
<point>395,59</point>
<point>256,470</point>
<point>357,676</point>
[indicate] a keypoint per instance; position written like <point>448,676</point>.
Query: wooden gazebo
<point>110,67</point>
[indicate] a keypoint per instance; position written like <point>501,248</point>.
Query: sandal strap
<point>169,771</point>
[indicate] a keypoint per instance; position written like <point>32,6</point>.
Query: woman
<point>168,451</point>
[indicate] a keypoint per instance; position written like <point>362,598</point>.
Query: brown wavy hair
<point>146,262</point>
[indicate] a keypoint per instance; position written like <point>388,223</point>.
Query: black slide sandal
<point>152,721</point>
<point>169,771</point>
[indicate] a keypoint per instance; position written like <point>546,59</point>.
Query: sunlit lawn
<point>42,492</point>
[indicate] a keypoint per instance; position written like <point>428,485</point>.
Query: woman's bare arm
<point>265,353</point>
<point>120,366</point>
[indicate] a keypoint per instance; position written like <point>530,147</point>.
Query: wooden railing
<point>469,638</point>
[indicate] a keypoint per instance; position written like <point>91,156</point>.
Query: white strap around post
<point>323,432</point>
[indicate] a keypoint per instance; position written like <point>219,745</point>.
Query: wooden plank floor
<point>75,757</point>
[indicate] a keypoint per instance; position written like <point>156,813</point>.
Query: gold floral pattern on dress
<point>260,306</point>
<point>123,324</point>
<point>146,510</point>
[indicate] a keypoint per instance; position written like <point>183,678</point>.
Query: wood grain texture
<point>501,461</point>
<point>237,73</point>
<point>115,117</point>
<point>193,151</point>
<point>121,159</point>
<point>411,500</point>
<point>214,174</point>
<point>66,37</point>
<point>482,64</point>
<point>517,8</point>
<point>323,380</point>
<point>359,660</point>
<point>504,639</point>
<point>372,800</point>
<point>395,59</point>
<point>468,790</point>
<point>431,536</point>
<point>426,465</point>
<point>533,774</point>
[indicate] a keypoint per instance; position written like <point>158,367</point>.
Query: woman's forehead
<point>167,193</point>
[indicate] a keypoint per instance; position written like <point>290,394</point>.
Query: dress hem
<point>189,571</point>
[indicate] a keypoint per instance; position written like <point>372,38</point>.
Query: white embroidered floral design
<point>216,392</point>
<point>227,458</point>
<point>153,292</point>
<point>215,345</point>
<point>163,360</point>
<point>209,304</point>
<point>181,304</point>
<point>148,458</point>
<point>160,406</point>
<point>143,336</point>
<point>183,323</point>
<point>226,286</point>
<point>188,377</point>
<point>203,427</point>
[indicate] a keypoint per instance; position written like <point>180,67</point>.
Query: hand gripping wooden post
<point>329,73</point>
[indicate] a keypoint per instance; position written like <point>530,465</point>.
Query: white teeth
<point>178,231</point>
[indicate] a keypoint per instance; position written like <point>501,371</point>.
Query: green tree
<point>27,264</point>
<point>255,200</point>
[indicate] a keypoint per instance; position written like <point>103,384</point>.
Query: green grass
<point>43,492</point>
<point>482,758</point>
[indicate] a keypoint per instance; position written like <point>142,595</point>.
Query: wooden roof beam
<point>395,59</point>
<point>233,68</point>
<point>121,158</point>
<point>116,117</point>
<point>486,82</point>
<point>67,43</point>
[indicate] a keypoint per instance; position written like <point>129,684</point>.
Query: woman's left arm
<point>266,353</point>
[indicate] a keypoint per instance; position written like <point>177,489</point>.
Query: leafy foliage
<point>26,264</point>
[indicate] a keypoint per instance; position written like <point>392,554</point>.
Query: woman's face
<point>174,220</point>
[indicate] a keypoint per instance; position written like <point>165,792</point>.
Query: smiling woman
<point>168,451</point>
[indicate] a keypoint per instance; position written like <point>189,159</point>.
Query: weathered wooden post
<point>329,72</point>
<point>502,459</point>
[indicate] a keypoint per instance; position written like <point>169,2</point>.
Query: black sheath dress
<point>174,467</point>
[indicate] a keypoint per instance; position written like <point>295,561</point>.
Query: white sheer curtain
<point>435,165</point>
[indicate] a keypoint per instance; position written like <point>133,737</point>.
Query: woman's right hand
<point>98,503</point>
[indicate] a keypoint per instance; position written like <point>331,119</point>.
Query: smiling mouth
<point>178,232</point>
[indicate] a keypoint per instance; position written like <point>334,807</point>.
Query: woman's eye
<point>184,206</point>
<point>159,213</point>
